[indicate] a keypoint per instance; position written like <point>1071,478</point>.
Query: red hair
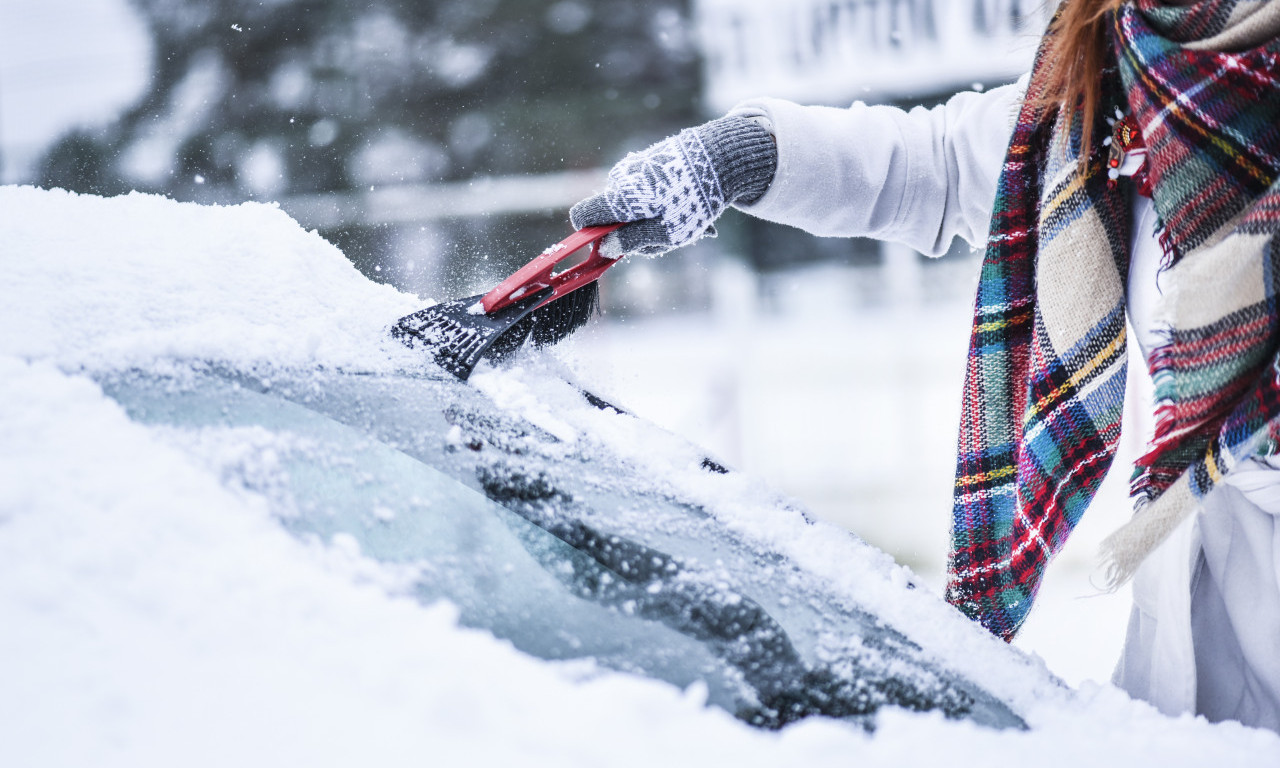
<point>1075,59</point>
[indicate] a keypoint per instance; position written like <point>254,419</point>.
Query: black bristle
<point>554,322</point>
<point>510,340</point>
<point>458,337</point>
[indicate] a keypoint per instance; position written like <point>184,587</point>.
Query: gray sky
<point>64,63</point>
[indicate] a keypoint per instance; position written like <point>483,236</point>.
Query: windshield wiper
<point>648,584</point>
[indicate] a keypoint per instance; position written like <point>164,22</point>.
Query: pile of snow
<point>153,615</point>
<point>119,282</point>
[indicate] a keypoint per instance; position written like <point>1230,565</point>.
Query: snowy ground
<point>155,615</point>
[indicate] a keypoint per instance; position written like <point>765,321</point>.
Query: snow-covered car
<point>240,523</point>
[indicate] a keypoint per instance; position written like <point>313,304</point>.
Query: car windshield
<point>568,554</point>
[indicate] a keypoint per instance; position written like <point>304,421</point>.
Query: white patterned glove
<point>672,192</point>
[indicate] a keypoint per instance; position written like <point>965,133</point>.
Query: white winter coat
<point>1204,633</point>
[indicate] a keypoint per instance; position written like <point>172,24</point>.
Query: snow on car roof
<point>115,282</point>
<point>154,614</point>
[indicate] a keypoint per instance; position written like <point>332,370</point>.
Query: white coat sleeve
<point>918,177</point>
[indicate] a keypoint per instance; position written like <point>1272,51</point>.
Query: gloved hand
<point>674,190</point>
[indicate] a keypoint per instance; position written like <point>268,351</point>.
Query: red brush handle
<point>536,275</point>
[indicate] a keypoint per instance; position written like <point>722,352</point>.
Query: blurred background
<point>440,143</point>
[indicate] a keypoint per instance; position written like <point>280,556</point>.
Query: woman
<point>1129,180</point>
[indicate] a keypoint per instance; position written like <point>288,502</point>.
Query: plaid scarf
<point>1045,380</point>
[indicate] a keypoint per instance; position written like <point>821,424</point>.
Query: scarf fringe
<point>1124,551</point>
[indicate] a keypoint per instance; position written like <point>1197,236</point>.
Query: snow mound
<point>99,283</point>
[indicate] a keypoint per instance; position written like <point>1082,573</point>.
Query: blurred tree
<point>276,97</point>
<point>83,159</point>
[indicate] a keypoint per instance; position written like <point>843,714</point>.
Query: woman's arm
<point>918,177</point>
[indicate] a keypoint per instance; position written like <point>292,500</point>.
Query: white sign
<point>838,51</point>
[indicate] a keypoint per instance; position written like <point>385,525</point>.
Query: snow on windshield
<point>153,614</point>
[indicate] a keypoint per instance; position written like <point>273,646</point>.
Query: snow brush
<point>532,302</point>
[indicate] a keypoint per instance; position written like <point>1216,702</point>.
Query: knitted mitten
<point>674,190</point>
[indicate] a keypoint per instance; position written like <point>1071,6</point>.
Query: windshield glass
<point>568,557</point>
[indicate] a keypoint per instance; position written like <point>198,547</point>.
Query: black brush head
<point>457,335</point>
<point>555,321</point>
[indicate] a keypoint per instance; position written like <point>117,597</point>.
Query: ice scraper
<point>532,302</point>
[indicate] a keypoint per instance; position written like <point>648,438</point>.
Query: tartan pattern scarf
<point>1045,380</point>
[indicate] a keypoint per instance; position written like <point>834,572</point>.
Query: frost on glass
<point>568,554</point>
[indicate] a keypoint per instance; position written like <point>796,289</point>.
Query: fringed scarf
<point>1044,387</point>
